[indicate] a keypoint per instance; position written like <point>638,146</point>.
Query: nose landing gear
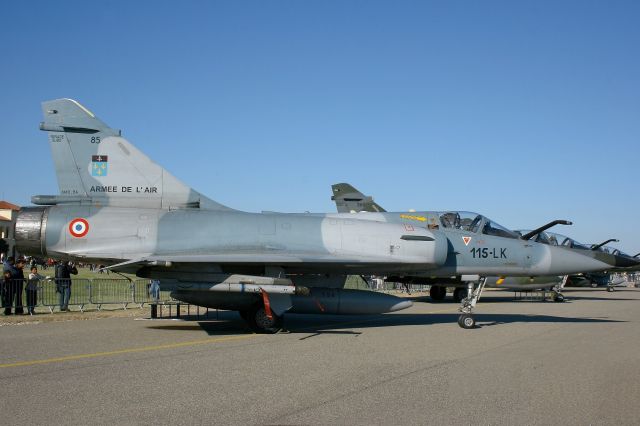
<point>466,320</point>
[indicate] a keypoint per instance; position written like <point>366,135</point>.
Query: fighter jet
<point>118,207</point>
<point>475,224</point>
<point>619,261</point>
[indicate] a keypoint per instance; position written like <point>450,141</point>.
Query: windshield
<point>492,228</point>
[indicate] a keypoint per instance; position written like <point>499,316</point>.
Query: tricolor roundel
<point>78,227</point>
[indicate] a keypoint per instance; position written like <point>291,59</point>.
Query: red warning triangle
<point>466,240</point>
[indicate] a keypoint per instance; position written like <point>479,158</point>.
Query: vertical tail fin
<point>349,199</point>
<point>95,163</point>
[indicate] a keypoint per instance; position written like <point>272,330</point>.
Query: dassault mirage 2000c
<point>118,207</point>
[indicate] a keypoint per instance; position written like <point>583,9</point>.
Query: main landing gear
<point>466,320</point>
<point>262,321</point>
<point>261,317</point>
<point>610,289</point>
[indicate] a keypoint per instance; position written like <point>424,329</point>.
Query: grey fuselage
<point>371,243</point>
<point>229,240</point>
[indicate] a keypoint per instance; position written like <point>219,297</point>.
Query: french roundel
<point>78,227</point>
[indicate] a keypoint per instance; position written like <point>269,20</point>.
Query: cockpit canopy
<point>563,240</point>
<point>614,251</point>
<point>555,239</point>
<point>476,223</point>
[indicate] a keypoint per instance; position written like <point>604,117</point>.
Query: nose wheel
<point>466,321</point>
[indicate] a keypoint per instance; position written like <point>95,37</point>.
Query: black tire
<point>558,298</point>
<point>260,323</point>
<point>610,289</point>
<point>466,321</point>
<point>437,293</point>
<point>460,293</point>
<point>594,285</point>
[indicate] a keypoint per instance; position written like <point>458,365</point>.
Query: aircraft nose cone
<point>626,262</point>
<point>616,260</point>
<point>570,261</point>
<point>401,305</point>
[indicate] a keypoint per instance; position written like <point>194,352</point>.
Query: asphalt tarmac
<point>527,363</point>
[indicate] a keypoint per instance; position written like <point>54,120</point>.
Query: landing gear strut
<point>466,319</point>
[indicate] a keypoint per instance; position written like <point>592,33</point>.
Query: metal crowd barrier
<point>49,296</point>
<point>142,294</point>
<point>83,292</point>
<point>114,291</point>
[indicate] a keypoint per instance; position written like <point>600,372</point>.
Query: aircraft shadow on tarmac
<point>568,298</point>
<point>308,323</point>
<point>231,323</point>
<point>572,297</point>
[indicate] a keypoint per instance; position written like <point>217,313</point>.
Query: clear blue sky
<point>524,111</point>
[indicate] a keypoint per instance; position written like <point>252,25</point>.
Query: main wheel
<point>558,298</point>
<point>466,321</point>
<point>610,289</point>
<point>594,285</point>
<point>460,293</point>
<point>437,293</point>
<point>261,323</point>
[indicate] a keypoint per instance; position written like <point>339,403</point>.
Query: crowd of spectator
<point>14,284</point>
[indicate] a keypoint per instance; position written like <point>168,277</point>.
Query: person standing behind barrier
<point>10,273</point>
<point>32,290</point>
<point>63,283</point>
<point>18,285</point>
<point>154,289</point>
<point>5,291</point>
